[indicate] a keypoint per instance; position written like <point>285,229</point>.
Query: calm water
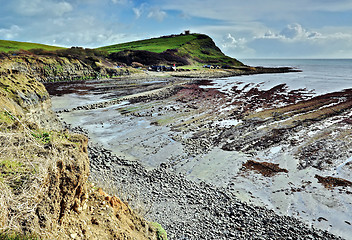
<point>320,75</point>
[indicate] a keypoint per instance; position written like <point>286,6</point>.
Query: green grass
<point>11,46</point>
<point>204,50</point>
<point>43,137</point>
<point>161,233</point>
<point>16,236</point>
<point>6,118</point>
<point>157,45</point>
<point>199,49</point>
<point>14,173</point>
<point>10,167</point>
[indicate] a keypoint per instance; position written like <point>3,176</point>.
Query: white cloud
<point>41,7</point>
<point>235,47</point>
<point>62,8</point>
<point>231,42</point>
<point>254,39</point>
<point>157,14</point>
<point>296,31</point>
<point>121,2</point>
<point>85,31</point>
<point>153,12</point>
<point>252,10</point>
<point>10,33</point>
<point>297,41</point>
<point>292,32</point>
<point>139,11</point>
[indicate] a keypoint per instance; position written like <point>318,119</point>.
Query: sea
<point>318,75</point>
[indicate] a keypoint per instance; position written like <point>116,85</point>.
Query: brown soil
<point>331,182</point>
<point>265,168</point>
<point>105,217</point>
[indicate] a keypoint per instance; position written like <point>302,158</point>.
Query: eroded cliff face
<point>44,169</point>
<point>56,68</point>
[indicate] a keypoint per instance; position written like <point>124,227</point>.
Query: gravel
<point>190,210</point>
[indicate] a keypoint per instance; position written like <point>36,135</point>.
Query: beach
<point>224,132</point>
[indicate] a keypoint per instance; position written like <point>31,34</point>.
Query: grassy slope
<point>7,46</point>
<point>157,45</point>
<point>198,48</point>
<point>203,50</point>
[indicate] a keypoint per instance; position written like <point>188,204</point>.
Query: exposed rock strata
<point>55,68</point>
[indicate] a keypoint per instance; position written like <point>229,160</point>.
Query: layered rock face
<point>56,68</point>
<point>44,169</point>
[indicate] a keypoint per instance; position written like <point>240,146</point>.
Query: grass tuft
<point>43,137</point>
<point>16,236</point>
<point>160,231</point>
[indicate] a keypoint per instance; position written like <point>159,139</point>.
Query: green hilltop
<point>11,46</point>
<point>156,45</point>
<point>197,49</point>
<point>182,49</point>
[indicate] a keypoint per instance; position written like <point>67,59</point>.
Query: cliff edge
<point>44,169</point>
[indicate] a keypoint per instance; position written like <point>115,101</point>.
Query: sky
<point>242,29</point>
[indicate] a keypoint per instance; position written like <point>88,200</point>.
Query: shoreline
<point>121,166</point>
<point>189,73</point>
<point>176,79</point>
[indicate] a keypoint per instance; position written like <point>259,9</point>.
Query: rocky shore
<point>201,128</point>
<point>189,210</point>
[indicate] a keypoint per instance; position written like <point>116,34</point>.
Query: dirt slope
<point>44,169</point>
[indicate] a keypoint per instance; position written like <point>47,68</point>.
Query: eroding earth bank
<point>196,154</point>
<point>44,168</point>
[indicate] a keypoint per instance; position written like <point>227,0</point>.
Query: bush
<point>148,58</point>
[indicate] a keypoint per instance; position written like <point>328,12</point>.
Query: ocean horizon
<point>319,76</point>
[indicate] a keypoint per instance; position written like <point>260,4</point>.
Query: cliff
<point>68,65</point>
<point>44,169</point>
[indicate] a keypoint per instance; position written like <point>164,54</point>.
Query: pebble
<point>190,210</point>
